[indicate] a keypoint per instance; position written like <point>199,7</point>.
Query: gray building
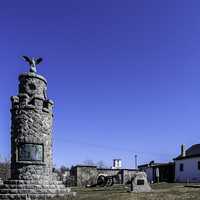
<point>89,175</point>
<point>159,172</point>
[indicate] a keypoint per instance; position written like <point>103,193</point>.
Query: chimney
<point>183,154</point>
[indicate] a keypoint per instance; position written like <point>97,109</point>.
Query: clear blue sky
<point>124,75</point>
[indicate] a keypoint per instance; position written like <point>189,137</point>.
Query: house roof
<point>121,169</point>
<point>193,151</point>
<point>155,165</point>
<point>79,166</point>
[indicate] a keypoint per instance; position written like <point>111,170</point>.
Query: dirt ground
<point>162,191</point>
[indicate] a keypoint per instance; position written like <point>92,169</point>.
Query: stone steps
<point>28,184</point>
<point>36,182</point>
<point>31,186</point>
<point>18,189</point>
<point>32,191</point>
<point>69,196</point>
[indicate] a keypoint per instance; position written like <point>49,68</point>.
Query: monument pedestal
<point>24,189</point>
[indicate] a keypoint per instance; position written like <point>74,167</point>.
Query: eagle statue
<point>32,62</point>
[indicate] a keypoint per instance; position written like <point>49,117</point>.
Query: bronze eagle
<point>32,62</point>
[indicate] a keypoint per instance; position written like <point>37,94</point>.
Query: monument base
<point>29,189</point>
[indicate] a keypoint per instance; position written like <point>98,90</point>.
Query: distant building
<point>117,164</point>
<point>83,175</point>
<point>88,175</point>
<point>158,172</point>
<point>187,164</point>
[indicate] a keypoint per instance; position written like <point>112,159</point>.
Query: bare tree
<point>63,169</point>
<point>89,163</point>
<point>101,164</point>
<point>4,168</point>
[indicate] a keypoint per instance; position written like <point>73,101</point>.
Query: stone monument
<point>31,141</point>
<point>139,183</point>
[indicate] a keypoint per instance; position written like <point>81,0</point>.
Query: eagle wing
<point>27,59</point>
<point>39,60</point>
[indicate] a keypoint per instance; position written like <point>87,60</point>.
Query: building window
<point>198,165</point>
<point>181,167</point>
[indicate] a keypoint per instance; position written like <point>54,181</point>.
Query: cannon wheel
<point>109,182</point>
<point>102,180</point>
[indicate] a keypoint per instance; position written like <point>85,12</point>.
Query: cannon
<point>104,180</point>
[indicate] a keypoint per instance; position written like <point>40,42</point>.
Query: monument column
<point>31,130</point>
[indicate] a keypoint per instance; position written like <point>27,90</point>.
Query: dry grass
<point>159,192</point>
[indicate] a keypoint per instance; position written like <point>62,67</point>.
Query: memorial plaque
<point>140,182</point>
<point>30,152</point>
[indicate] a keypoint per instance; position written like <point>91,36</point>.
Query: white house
<point>187,164</point>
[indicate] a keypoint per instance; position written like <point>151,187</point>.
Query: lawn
<point>162,191</point>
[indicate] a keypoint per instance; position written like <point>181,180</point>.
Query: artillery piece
<point>104,180</point>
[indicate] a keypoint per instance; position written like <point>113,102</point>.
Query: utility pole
<point>136,166</point>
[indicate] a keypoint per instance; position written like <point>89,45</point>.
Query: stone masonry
<point>31,143</point>
<point>31,155</point>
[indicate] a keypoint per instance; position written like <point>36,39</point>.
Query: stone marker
<point>31,142</point>
<point>139,183</point>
